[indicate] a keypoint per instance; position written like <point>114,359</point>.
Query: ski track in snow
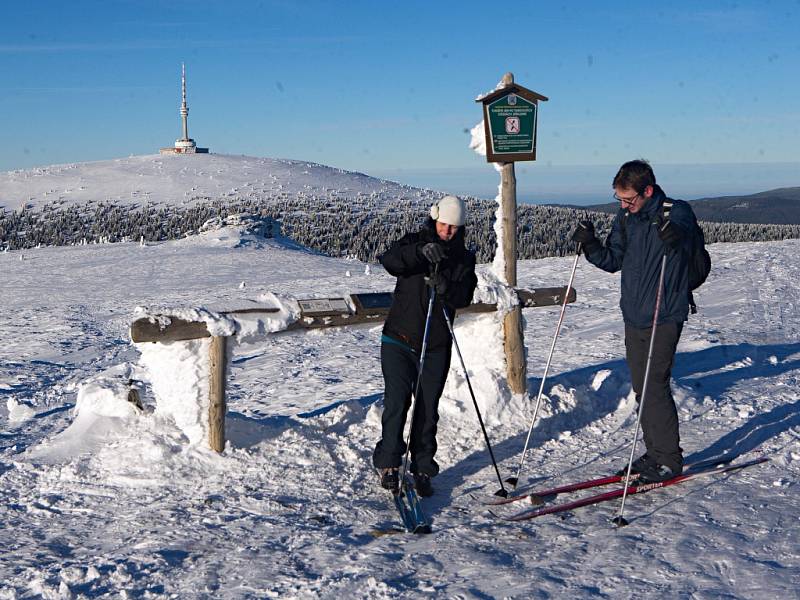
<point>291,509</point>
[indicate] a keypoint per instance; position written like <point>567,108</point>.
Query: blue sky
<point>388,88</point>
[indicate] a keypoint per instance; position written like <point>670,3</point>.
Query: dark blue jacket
<point>636,250</point>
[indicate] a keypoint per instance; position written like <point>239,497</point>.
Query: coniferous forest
<point>337,224</point>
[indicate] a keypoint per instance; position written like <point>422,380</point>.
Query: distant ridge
<point>780,206</point>
<point>775,207</point>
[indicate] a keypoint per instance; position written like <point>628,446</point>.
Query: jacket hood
<point>653,205</point>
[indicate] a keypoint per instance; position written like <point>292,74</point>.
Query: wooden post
<point>217,360</point>
<point>514,342</point>
<point>509,124</point>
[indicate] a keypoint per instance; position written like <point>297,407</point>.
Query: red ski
<point>632,489</point>
<point>536,497</point>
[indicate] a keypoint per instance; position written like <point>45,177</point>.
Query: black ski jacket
<point>404,260</point>
<point>635,248</point>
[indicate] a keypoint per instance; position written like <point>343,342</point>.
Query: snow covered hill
<point>336,212</point>
<point>98,500</point>
<point>184,180</point>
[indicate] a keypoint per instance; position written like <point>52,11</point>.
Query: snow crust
<point>178,373</point>
<point>478,144</point>
<point>18,411</point>
<point>251,327</point>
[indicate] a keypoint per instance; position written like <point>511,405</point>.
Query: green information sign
<point>512,125</point>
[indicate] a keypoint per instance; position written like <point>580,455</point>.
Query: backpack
<point>699,259</point>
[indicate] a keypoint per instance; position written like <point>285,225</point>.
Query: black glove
<point>584,234</point>
<point>460,270</point>
<point>438,282</point>
<point>670,234</point>
<point>434,253</point>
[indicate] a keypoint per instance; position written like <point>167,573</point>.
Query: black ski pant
<point>400,366</point>
<point>659,415</point>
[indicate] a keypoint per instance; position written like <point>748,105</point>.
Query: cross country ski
<point>635,488</point>
<point>538,496</point>
<point>410,508</point>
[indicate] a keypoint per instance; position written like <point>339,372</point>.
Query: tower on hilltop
<point>185,144</point>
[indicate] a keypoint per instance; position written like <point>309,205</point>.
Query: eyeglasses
<point>627,201</point>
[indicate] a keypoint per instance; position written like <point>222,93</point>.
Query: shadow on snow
<point>713,370</point>
<point>244,431</point>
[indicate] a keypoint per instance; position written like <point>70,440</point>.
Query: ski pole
<point>431,298</point>
<point>513,481</point>
<point>502,491</point>
<point>619,520</point>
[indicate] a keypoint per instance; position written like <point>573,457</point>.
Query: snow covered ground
<point>184,180</point>
<point>96,499</point>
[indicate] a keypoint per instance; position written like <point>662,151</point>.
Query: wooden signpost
<point>509,124</point>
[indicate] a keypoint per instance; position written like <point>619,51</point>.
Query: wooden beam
<point>218,363</point>
<point>337,320</point>
<point>144,330</point>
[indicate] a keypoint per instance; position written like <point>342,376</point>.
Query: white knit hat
<point>450,210</point>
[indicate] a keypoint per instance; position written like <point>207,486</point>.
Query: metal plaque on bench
<point>321,307</point>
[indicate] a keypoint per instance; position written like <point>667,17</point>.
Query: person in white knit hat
<point>433,257</point>
<point>449,211</point>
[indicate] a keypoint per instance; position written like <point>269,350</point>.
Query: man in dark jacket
<point>433,258</point>
<point>640,236</point>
